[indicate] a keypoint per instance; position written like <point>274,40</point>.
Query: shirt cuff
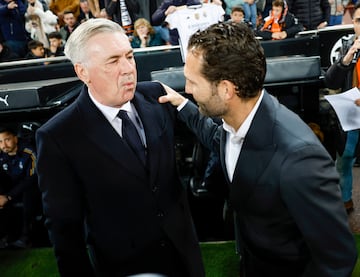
<point>182,105</point>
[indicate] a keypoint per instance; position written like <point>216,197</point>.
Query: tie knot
<point>123,114</point>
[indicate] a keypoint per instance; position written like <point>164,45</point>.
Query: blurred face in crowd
<point>38,51</point>
<point>237,16</point>
<point>8,143</point>
<point>109,70</point>
<point>142,30</point>
<point>84,6</point>
<point>69,19</point>
<point>277,10</point>
<point>55,42</point>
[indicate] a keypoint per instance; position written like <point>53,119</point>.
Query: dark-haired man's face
<point>8,143</point>
<point>206,94</point>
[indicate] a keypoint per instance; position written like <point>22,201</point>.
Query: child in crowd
<point>56,45</point>
<point>36,50</point>
<point>280,24</point>
<point>237,15</point>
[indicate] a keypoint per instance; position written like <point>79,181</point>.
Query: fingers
<point>171,96</point>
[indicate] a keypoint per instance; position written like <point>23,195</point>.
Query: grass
<point>219,258</point>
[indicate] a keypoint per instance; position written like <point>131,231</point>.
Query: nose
<point>127,66</point>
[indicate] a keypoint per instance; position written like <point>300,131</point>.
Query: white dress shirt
<point>235,139</point>
<point>111,113</point>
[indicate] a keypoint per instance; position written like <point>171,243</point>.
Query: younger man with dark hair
<point>56,48</point>
<point>18,187</point>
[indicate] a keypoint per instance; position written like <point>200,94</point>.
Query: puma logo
<point>5,100</point>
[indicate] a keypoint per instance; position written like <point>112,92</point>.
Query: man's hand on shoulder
<point>175,98</point>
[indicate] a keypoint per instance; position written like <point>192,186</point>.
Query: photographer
<point>344,74</point>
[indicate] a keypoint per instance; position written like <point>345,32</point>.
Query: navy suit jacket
<point>285,192</point>
<point>88,173</point>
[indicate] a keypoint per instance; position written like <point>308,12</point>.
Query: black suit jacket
<point>290,217</point>
<point>87,172</point>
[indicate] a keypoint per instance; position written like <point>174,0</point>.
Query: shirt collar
<point>239,135</point>
<point>110,112</point>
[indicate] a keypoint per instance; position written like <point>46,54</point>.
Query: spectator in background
<point>345,74</point>
<point>230,4</point>
<point>314,14</point>
<point>280,24</point>
<point>168,7</point>
<point>250,12</point>
<point>6,54</point>
<point>237,15</point>
<point>12,25</point>
<point>145,35</point>
<point>56,45</point>
<point>35,28</point>
<point>85,12</point>
<point>18,185</point>
<point>337,11</point>
<point>70,25</point>
<point>36,50</point>
<point>48,18</point>
<point>124,12</point>
<point>58,7</point>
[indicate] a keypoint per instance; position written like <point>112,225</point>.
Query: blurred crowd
<point>32,29</point>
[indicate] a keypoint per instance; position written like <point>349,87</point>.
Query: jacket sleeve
<point>326,9</point>
<point>63,205</point>
<point>292,26</point>
<point>159,16</point>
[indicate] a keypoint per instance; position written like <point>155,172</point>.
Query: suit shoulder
<point>151,89</point>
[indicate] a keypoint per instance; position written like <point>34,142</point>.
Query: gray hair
<point>76,45</point>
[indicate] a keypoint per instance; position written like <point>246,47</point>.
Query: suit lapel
<point>153,132</point>
<point>104,136</point>
<point>256,153</point>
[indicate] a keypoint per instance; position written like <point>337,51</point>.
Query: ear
<point>228,89</point>
<point>82,72</point>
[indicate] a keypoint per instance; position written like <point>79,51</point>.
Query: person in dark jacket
<point>18,184</point>
<point>6,54</point>
<point>280,24</point>
<point>314,14</point>
<point>119,209</point>
<point>126,17</point>
<point>12,25</point>
<point>283,185</point>
<point>344,74</point>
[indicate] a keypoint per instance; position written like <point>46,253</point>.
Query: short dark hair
<point>55,35</point>
<point>33,44</point>
<point>8,129</point>
<point>231,52</point>
<point>237,9</point>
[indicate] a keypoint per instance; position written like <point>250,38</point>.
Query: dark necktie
<point>132,137</point>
